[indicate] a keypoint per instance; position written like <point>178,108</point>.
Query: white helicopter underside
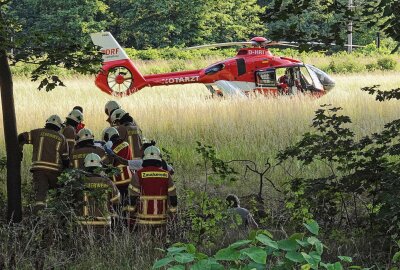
<point>232,88</point>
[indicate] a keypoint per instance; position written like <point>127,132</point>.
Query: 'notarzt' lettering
<point>180,80</point>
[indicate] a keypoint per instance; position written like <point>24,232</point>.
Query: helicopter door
<point>325,80</point>
<point>315,80</point>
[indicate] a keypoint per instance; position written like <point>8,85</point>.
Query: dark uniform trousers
<point>42,182</point>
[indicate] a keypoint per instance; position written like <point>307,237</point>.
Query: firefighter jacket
<point>122,179</point>
<point>78,155</point>
<point>69,134</point>
<point>49,149</point>
<point>131,134</point>
<point>152,194</point>
<point>96,200</point>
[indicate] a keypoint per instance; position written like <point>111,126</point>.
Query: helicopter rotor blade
<point>280,43</point>
<point>312,43</point>
<point>226,44</point>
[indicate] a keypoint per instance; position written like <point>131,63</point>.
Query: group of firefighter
<point>140,193</point>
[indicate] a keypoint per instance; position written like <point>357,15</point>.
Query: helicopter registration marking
<point>180,80</point>
<point>256,52</point>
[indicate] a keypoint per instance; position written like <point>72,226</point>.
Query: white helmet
<point>152,152</point>
<point>85,134</point>
<point>75,115</point>
<point>92,160</point>
<point>55,120</point>
<point>117,115</point>
<point>110,131</point>
<point>111,106</point>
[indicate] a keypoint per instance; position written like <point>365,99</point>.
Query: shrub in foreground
<point>259,251</point>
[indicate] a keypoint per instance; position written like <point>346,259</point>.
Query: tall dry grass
<point>178,116</point>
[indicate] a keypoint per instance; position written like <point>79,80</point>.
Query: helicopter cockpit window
<point>266,78</point>
<point>327,82</point>
<point>214,69</point>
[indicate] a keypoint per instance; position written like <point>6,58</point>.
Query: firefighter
<point>152,195</point>
<point>81,125</point>
<point>128,130</point>
<point>94,214</point>
<point>69,131</point>
<point>50,155</point>
<point>109,108</point>
<point>84,146</point>
<point>136,164</point>
<point>121,180</point>
<point>113,140</point>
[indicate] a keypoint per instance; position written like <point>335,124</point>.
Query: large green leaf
<point>311,260</point>
<point>302,243</point>
<point>297,236</point>
<point>267,241</point>
<point>207,264</point>
<point>294,256</point>
<point>396,257</point>
<point>312,226</point>
<point>162,262</point>
<point>191,248</point>
<point>316,243</point>
<point>174,250</point>
<point>257,254</point>
<point>177,267</point>
<point>184,257</point>
<point>240,243</point>
<point>288,245</point>
<point>227,254</point>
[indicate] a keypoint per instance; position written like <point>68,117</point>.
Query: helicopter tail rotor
<point>118,75</point>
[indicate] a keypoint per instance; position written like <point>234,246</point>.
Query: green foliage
<point>260,251</point>
<point>206,214</point>
<point>53,33</point>
<point>386,63</point>
<point>361,186</point>
<point>182,23</point>
<point>347,66</point>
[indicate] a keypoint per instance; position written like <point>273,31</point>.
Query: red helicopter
<point>253,69</point>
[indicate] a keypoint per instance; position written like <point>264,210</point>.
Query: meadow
<point>255,128</point>
<point>178,116</point>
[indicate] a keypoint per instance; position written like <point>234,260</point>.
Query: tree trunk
<point>14,207</point>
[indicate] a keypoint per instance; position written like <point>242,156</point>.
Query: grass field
<point>178,116</point>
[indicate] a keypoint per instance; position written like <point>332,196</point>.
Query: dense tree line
<point>143,23</point>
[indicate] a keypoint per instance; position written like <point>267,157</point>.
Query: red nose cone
<point>119,79</point>
<point>259,39</point>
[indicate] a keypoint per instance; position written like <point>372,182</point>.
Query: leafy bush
<point>387,63</point>
<point>349,65</point>
<point>360,188</point>
<point>259,251</point>
<point>372,67</point>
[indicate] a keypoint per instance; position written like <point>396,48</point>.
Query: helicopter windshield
<point>327,82</point>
